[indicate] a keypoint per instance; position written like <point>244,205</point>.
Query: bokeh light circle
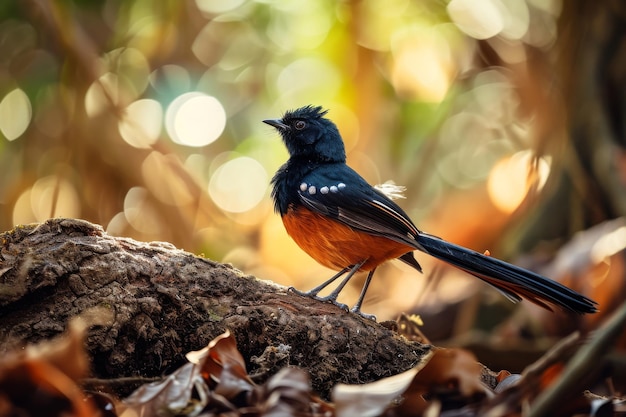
<point>195,119</point>
<point>218,6</point>
<point>102,93</point>
<point>512,177</point>
<point>49,197</point>
<point>141,124</point>
<point>15,114</point>
<point>480,19</point>
<point>238,185</point>
<point>140,212</point>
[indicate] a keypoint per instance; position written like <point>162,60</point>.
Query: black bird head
<point>307,133</point>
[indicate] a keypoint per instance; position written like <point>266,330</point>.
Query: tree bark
<point>166,302</point>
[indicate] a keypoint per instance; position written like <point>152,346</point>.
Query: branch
<point>166,302</point>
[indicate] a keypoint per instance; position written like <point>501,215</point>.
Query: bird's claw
<point>313,294</point>
<point>309,294</point>
<point>358,311</point>
<point>333,300</point>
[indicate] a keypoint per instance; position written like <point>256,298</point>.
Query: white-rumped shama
<point>345,224</point>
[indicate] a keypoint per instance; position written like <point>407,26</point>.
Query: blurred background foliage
<point>504,119</point>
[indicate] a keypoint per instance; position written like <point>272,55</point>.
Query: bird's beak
<point>277,123</point>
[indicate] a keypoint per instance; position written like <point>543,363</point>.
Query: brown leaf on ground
<point>215,382</point>
<point>454,369</point>
<point>174,395</point>
<point>369,400</point>
<point>43,379</point>
<point>220,353</point>
<point>288,393</point>
<point>446,378</point>
<point>214,377</point>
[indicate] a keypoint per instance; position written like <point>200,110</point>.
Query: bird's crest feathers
<point>306,112</point>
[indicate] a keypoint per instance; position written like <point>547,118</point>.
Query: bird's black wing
<point>340,193</point>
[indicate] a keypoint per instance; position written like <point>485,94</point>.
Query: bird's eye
<point>300,124</point>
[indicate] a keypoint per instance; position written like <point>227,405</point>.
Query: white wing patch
<point>312,189</point>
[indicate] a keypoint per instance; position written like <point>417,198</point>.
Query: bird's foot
<point>310,294</point>
<point>358,311</point>
<point>332,298</point>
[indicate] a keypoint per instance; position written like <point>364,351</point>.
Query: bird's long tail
<point>514,282</point>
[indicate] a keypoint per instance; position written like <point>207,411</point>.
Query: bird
<point>344,223</point>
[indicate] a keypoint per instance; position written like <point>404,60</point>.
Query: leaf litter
<point>45,380</point>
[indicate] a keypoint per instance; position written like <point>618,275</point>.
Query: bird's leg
<point>332,297</point>
<point>357,307</point>
<point>313,293</point>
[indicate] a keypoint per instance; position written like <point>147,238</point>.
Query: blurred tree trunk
<point>583,122</point>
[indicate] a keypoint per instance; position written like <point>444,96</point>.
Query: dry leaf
<point>42,380</point>
<point>370,400</point>
<point>220,353</point>
<point>288,393</point>
<point>373,398</point>
<point>213,379</point>
<point>172,396</point>
<point>452,368</point>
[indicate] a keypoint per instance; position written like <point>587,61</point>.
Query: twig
<point>586,361</point>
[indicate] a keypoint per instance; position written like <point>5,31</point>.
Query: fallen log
<point>165,302</point>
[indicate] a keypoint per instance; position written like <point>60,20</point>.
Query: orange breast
<point>336,245</point>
